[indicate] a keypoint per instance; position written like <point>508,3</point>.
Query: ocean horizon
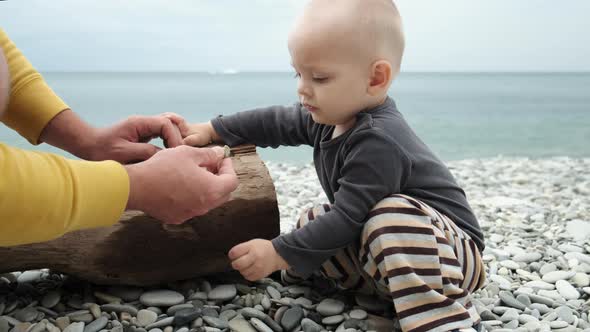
<point>460,115</point>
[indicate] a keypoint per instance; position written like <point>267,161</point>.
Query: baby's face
<point>4,83</point>
<point>332,79</point>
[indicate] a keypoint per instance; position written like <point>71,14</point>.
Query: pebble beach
<point>535,214</point>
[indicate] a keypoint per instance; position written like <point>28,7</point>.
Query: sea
<point>459,115</point>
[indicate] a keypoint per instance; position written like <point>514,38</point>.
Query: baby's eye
<point>320,79</point>
<point>297,75</point>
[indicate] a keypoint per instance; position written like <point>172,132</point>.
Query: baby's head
<point>4,83</point>
<point>346,53</point>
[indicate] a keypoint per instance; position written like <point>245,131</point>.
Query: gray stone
<point>51,299</point>
<point>566,290</point>
<point>330,307</point>
<point>554,276</point>
<point>358,314</point>
<point>292,318</point>
<point>566,314</point>
<point>273,292</point>
<point>509,300</point>
<point>146,317</point>
<point>29,276</point>
<point>239,324</point>
<point>216,322</point>
<point>161,323</point>
<point>26,314</point>
<point>527,257</point>
<point>252,313</point>
<point>184,316</point>
<point>4,325</point>
<point>223,293</point>
<point>333,320</point>
<point>260,325</point>
<point>97,325</point>
<point>75,327</point>
<point>309,325</point>
<point>161,298</point>
<point>119,308</point>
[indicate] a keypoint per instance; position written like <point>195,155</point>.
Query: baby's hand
<point>256,259</point>
<point>195,134</point>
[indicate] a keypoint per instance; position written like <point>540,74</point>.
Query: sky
<point>218,35</point>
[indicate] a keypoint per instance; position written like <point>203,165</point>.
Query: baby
<point>397,223</point>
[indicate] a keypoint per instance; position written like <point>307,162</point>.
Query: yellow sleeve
<point>32,103</point>
<point>43,196</point>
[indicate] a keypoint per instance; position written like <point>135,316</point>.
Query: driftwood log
<point>140,250</point>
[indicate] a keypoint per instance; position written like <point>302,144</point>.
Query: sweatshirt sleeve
<point>370,173</point>
<point>267,127</point>
<point>32,103</point>
<point>43,196</point>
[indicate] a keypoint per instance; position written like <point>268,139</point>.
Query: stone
<point>358,314</point>
<point>184,316</point>
<point>161,298</point>
<point>292,318</point>
<point>527,257</point>
<point>161,323</point>
<point>333,320</point>
<point>4,325</point>
<point>51,299</point>
<point>308,325</point>
<point>580,280</point>
<point>273,293</point>
<point>146,317</point>
<point>26,314</point>
<point>29,276</point>
<point>97,325</point>
<point>330,307</point>
<point>260,325</point>
<point>554,276</point>
<point>216,322</point>
<point>509,300</point>
<point>223,293</point>
<point>119,308</point>
<point>253,313</point>
<point>567,290</point>
<point>239,324</point>
<point>75,327</point>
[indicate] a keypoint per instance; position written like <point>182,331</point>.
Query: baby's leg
<point>341,270</point>
<point>428,265</point>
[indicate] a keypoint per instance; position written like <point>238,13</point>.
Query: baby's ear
<point>381,75</point>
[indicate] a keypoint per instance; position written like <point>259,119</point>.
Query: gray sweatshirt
<point>380,155</point>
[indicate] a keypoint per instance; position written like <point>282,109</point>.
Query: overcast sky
<point>214,35</point>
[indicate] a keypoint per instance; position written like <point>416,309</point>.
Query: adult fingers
<point>179,121</point>
<point>157,126</point>
<point>207,157</point>
<point>239,251</point>
<point>226,176</point>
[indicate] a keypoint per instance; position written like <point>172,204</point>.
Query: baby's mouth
<point>310,108</point>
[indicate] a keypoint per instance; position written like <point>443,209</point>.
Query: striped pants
<point>415,256</point>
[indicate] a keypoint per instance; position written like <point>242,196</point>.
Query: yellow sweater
<point>43,196</point>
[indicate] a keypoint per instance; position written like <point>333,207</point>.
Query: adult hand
<point>256,259</point>
<point>180,183</point>
<point>125,142</point>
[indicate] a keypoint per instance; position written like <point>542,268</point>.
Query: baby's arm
<point>373,168</point>
<point>266,127</point>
